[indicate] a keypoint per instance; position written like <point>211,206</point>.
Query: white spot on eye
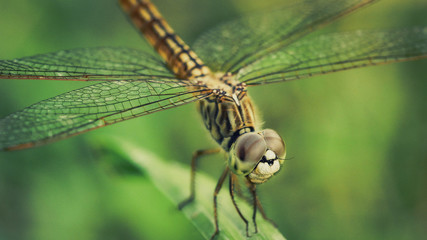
<point>269,155</point>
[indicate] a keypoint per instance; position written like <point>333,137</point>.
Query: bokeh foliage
<point>356,140</point>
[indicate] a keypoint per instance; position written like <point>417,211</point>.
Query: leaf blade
<point>172,179</point>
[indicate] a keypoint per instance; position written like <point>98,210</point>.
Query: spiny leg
<point>257,202</point>
<point>261,209</point>
<point>196,156</point>
<point>238,190</point>
<point>252,189</point>
<point>231,187</point>
<point>217,188</point>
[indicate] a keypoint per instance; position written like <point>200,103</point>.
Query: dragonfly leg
<point>252,189</point>
<point>196,156</point>
<point>231,188</point>
<point>258,205</point>
<point>261,210</point>
<point>217,189</point>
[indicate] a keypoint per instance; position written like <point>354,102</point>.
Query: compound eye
<point>250,148</point>
<point>274,142</point>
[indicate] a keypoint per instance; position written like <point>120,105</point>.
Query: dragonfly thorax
<point>228,112</point>
<point>224,84</point>
<point>229,116</point>
<point>257,155</point>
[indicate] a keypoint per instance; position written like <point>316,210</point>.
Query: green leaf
<point>173,179</point>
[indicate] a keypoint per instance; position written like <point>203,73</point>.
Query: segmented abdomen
<point>181,60</point>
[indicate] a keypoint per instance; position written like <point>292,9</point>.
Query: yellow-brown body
<point>228,112</point>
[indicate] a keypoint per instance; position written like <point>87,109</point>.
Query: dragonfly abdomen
<point>183,62</point>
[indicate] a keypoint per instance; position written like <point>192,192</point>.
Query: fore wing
<point>92,107</point>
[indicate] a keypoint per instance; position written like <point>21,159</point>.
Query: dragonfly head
<point>257,155</point>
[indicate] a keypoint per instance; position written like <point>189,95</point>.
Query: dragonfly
<point>263,48</point>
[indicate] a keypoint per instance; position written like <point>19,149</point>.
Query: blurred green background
<point>357,140</point>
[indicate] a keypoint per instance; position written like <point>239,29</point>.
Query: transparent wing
<point>87,64</point>
<point>92,107</point>
<point>335,52</point>
<point>234,45</point>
